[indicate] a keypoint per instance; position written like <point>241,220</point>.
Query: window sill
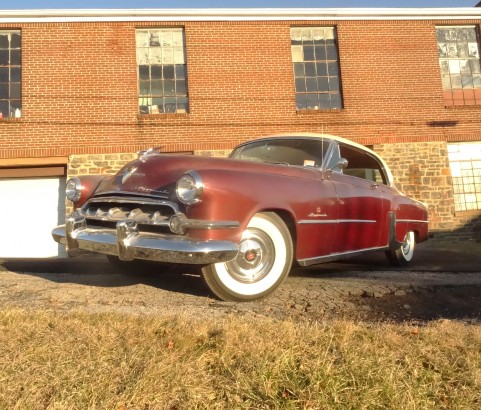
<point>467,214</point>
<point>463,107</point>
<point>10,119</point>
<point>161,116</point>
<point>318,112</point>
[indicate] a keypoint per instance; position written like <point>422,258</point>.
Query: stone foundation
<point>421,171</point>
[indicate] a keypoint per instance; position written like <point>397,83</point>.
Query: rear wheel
<point>263,262</point>
<point>403,254</point>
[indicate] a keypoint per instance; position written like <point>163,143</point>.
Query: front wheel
<point>403,254</point>
<point>263,262</point>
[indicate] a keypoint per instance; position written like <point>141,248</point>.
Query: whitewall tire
<point>263,262</point>
<point>404,253</point>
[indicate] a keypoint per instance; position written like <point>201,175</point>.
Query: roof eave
<point>238,14</point>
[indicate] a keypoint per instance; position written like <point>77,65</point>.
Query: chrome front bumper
<point>128,243</point>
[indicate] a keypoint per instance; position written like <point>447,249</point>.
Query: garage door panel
<point>29,209</point>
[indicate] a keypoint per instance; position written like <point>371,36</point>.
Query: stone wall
<point>421,171</point>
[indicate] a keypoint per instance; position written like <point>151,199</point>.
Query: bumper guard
<point>126,242</point>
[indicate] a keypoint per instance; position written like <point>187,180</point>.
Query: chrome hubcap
<point>255,258</point>
<point>406,246</point>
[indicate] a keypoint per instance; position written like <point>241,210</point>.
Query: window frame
<point>316,68</point>
<point>465,175</point>
<point>161,71</point>
<point>11,71</point>
<point>460,87</point>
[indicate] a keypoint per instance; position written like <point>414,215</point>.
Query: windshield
<point>296,152</point>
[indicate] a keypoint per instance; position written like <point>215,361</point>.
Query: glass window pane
<point>157,88</point>
<point>324,101</point>
<point>4,108</point>
<point>4,57</point>
<point>299,70</point>
<point>170,105</point>
<point>144,87</point>
<point>169,72</point>
<point>180,87</point>
<point>336,102</point>
<point>311,84</point>
<point>310,69</point>
<point>309,53</point>
<point>15,57</point>
<point>4,41</point>
<point>156,72</point>
<point>15,91</point>
<point>331,52</point>
<point>144,72</point>
<point>180,72</point>
<point>169,87</point>
<point>312,101</point>
<point>301,102</point>
<point>333,84</point>
<point>320,52</point>
<point>4,91</point>
<point>300,85</point>
<point>15,74</point>
<point>323,84</point>
<point>15,40</point>
<point>4,74</point>
<point>333,69</point>
<point>321,69</point>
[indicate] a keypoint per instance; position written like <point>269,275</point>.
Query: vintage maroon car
<point>310,198</point>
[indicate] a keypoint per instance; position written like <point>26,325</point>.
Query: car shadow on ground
<point>98,272</point>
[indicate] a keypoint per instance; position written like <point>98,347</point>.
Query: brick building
<point>82,91</point>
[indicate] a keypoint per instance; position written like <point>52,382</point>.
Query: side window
<point>362,165</point>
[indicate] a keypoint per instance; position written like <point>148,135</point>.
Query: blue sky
<point>132,4</point>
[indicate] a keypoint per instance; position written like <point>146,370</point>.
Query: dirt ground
<point>364,289</point>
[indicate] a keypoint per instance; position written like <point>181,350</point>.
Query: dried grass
<point>114,361</point>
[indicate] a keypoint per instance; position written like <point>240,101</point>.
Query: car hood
<point>156,175</point>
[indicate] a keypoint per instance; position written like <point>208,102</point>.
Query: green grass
<point>112,361</point>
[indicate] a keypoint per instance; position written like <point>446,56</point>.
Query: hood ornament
<point>142,155</point>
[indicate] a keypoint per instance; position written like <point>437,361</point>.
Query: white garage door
<point>29,209</point>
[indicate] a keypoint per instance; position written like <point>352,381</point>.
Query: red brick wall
<point>80,88</point>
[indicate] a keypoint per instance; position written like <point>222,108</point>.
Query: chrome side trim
<point>412,220</point>
<point>334,221</point>
<point>336,256</point>
<point>128,243</point>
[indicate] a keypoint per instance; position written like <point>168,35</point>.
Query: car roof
<point>305,135</point>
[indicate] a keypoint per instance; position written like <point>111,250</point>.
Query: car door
<point>361,206</point>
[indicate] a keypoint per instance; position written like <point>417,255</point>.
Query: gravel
<point>319,293</point>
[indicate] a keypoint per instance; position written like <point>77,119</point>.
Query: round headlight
<point>189,188</point>
<point>73,189</point>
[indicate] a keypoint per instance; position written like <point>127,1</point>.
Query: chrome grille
<point>143,211</point>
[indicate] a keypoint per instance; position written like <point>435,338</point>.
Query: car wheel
<point>403,254</point>
<point>263,262</point>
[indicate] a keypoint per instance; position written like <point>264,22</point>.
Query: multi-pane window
<point>10,74</point>
<point>316,68</point>
<point>162,71</point>
<point>465,164</point>
<point>459,61</point>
